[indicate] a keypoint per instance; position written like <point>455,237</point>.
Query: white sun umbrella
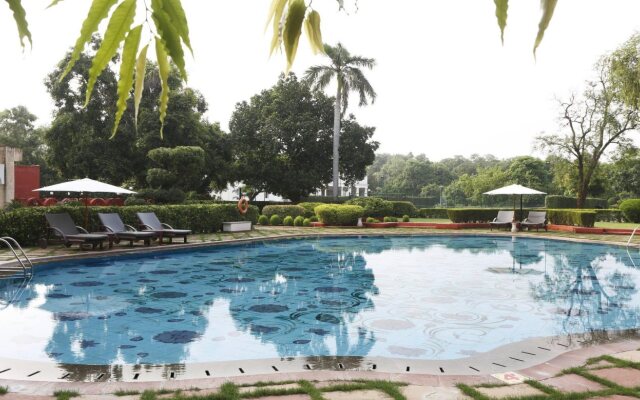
<point>514,190</point>
<point>84,186</point>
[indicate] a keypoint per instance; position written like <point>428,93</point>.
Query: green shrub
<point>405,218</point>
<point>298,220</point>
<point>608,215</point>
<point>263,220</point>
<point>572,217</point>
<point>371,220</point>
<point>338,214</point>
<point>390,219</point>
<point>283,210</point>
<point>288,220</point>
<point>306,222</point>
<point>631,210</point>
<point>439,213</point>
<point>559,202</point>
<point>134,201</point>
<point>28,224</point>
<point>309,207</point>
<point>401,208</point>
<point>275,220</point>
<point>373,206</point>
<point>162,196</point>
<point>467,215</point>
<point>314,218</point>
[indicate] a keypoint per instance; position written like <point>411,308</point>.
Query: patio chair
<point>503,219</point>
<point>536,219</point>
<point>113,224</point>
<point>150,222</point>
<point>62,226</point>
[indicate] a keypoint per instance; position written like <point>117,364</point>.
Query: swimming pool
<point>418,297</point>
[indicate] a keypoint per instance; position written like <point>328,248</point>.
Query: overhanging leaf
<point>98,11</point>
<point>275,14</point>
<point>312,27</point>
<point>169,36</point>
<point>293,29</point>
<point>119,25</point>
<point>127,67</point>
<point>548,6</point>
<point>53,3</point>
<point>179,20</point>
<point>141,65</point>
<point>501,13</point>
<point>20,16</point>
<point>163,68</point>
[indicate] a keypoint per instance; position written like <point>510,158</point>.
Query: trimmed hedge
<point>557,202</point>
<point>27,225</point>
<point>338,214</point>
<point>372,206</point>
<point>309,207</point>
<point>439,213</point>
<point>631,209</point>
<point>608,215</point>
<point>572,217</point>
<point>283,211</point>
<point>402,208</point>
<point>468,215</point>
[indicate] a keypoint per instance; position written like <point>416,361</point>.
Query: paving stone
<point>627,377</point>
<point>633,356</point>
<point>573,383</point>
<point>247,389</point>
<point>414,392</point>
<point>357,395</point>
<point>518,390</point>
<point>600,364</point>
<point>291,397</point>
<point>614,397</point>
<point>325,384</point>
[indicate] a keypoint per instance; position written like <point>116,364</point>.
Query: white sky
<point>445,84</point>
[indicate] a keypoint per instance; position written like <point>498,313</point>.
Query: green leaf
<point>163,68</point>
<point>312,27</point>
<point>293,29</point>
<point>275,14</point>
<point>98,11</point>
<point>53,3</point>
<point>548,6</point>
<point>119,25</point>
<point>169,36</point>
<point>127,67</point>
<point>141,65</point>
<point>501,13</point>
<point>20,16</point>
<point>179,20</point>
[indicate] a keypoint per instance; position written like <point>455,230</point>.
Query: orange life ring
<point>243,205</point>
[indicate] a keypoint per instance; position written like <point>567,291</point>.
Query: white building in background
<point>232,192</point>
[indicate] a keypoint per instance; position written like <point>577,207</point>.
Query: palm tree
<point>346,69</point>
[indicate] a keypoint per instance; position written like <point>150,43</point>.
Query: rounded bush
<point>263,220</point>
<point>339,214</point>
<point>283,210</point>
<point>288,221</point>
<point>373,206</point>
<point>306,222</point>
<point>631,209</point>
<point>298,221</point>
<point>275,220</point>
<point>387,219</point>
<point>313,218</point>
<point>405,218</point>
<point>371,220</point>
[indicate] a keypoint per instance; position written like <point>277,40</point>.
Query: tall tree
<point>347,72</point>
<point>593,123</point>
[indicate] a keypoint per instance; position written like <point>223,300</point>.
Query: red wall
<point>27,178</point>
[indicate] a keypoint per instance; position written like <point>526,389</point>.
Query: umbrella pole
<point>521,213</point>
<point>86,212</point>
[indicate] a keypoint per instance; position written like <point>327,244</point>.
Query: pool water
<point>420,297</point>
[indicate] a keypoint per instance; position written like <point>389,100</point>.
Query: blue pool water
<point>419,297</point>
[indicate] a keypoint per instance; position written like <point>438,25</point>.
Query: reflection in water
<point>412,297</point>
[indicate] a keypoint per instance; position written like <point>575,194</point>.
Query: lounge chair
<point>536,219</point>
<point>150,222</point>
<point>503,219</point>
<point>113,224</point>
<point>62,226</point>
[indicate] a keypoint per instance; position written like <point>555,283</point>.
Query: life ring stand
<point>243,205</point>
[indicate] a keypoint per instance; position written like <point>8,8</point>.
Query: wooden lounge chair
<point>113,224</point>
<point>150,222</point>
<point>62,226</point>
<point>536,219</point>
<point>503,219</point>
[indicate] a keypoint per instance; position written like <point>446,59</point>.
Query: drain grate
<point>475,369</point>
<point>5,370</point>
<point>33,373</point>
<point>442,370</point>
<point>65,376</point>
<point>517,359</point>
<point>499,365</point>
<point>408,369</point>
<point>241,370</point>
<point>274,368</point>
<point>206,371</point>
<point>526,352</point>
<point>136,376</point>
<point>544,348</point>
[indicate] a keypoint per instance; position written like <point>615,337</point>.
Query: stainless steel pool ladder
<point>24,263</point>
<point>632,234</point>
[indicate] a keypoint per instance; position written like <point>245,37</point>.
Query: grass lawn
<point>433,220</point>
<point>621,225</point>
